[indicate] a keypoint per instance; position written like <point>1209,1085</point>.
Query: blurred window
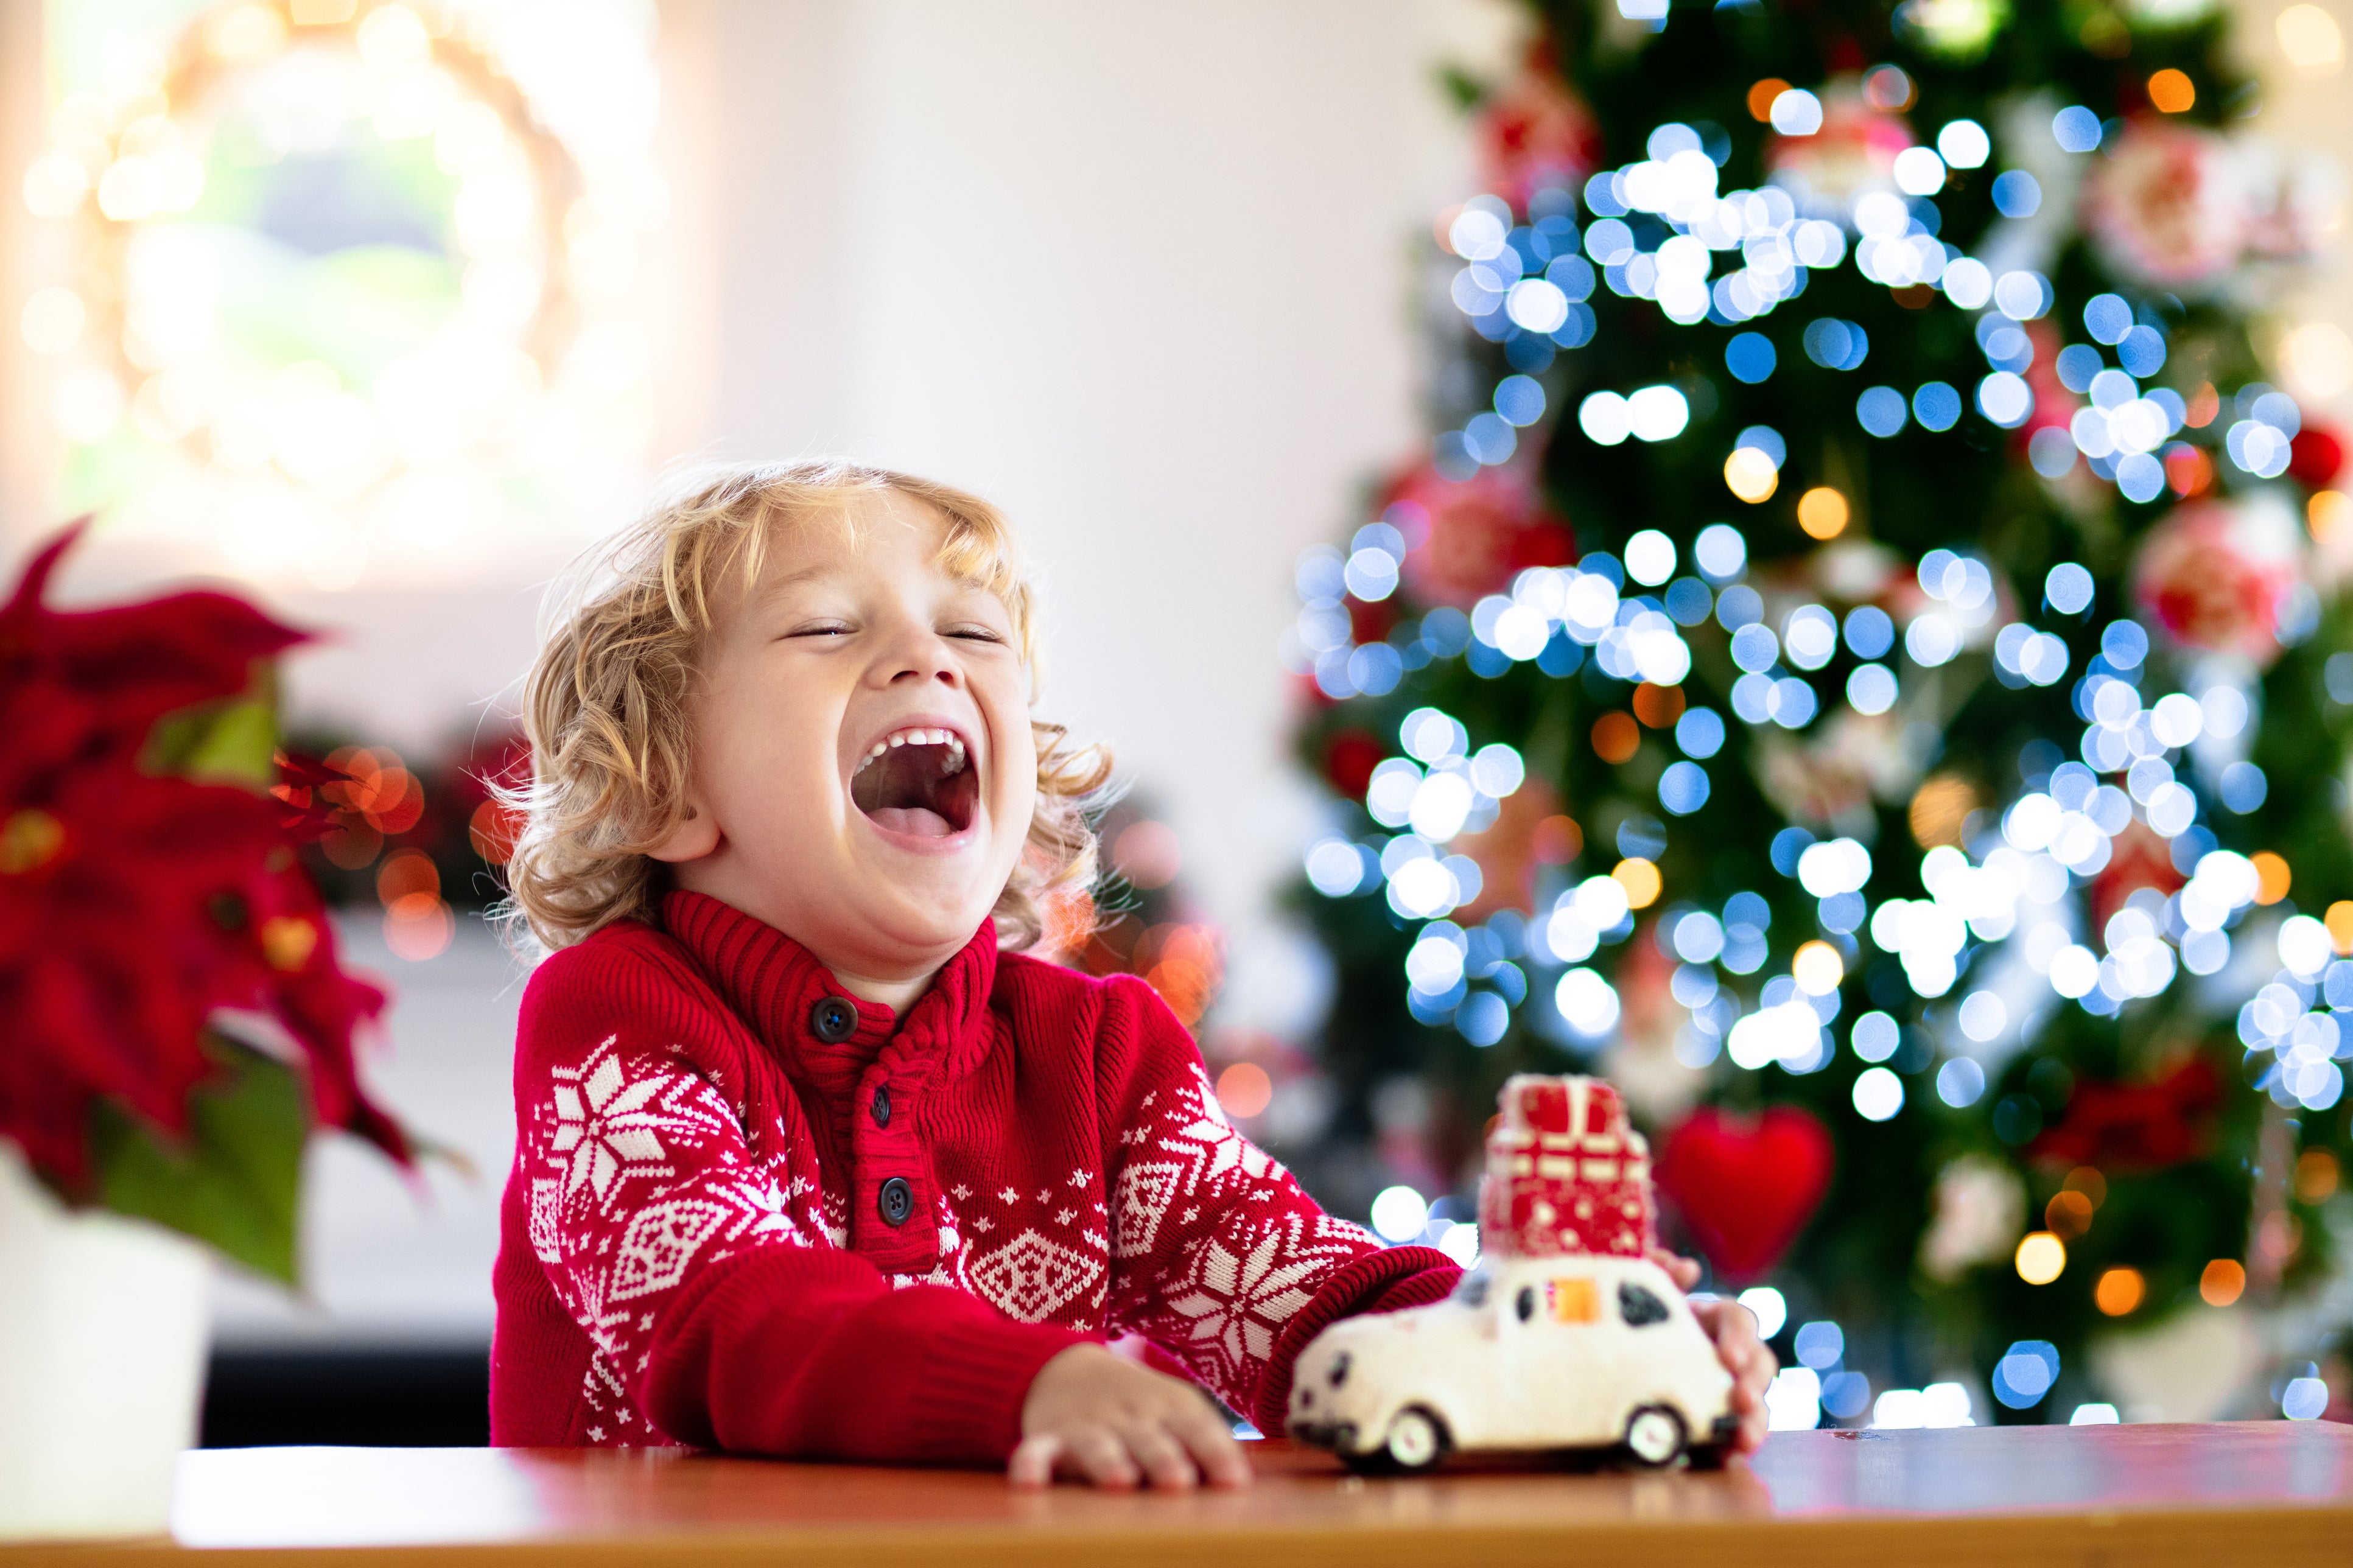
<point>334,289</point>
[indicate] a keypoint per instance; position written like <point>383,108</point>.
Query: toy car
<point>1528,1353</point>
<point>1566,1336</point>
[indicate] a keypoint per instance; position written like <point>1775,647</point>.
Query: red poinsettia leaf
<point>309,816</point>
<point>129,665</point>
<point>319,1003</point>
<point>135,906</point>
<point>24,604</point>
<point>43,1110</point>
<point>308,771</point>
<point>130,893</point>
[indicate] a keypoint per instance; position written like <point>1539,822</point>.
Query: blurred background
<point>381,309</point>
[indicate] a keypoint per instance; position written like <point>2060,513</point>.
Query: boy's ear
<point>695,836</point>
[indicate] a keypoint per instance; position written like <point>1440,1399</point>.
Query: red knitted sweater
<point>749,1212</point>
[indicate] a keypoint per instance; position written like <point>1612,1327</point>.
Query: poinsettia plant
<point>178,1019</point>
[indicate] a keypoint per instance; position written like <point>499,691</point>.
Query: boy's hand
<point>1094,1417</point>
<point>1734,1328</point>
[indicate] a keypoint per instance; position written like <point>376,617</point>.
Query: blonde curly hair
<point>605,704</point>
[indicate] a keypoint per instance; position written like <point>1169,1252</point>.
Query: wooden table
<point>2276,1494</point>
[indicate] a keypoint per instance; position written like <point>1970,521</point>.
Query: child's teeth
<point>948,738</point>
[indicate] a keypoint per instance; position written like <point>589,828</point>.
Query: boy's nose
<point>919,658</point>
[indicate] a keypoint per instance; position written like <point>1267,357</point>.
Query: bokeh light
<point>1770,1309</point>
<point>2310,39</point>
<point>1640,879</point>
<point>1752,475</point>
<point>2119,1291</point>
<point>1398,1214</point>
<point>2041,1258</point>
<point>1823,512</point>
<point>2171,92</point>
<point>1147,854</point>
<point>1245,1090</point>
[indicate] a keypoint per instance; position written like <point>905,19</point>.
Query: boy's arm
<point>701,1270</point>
<point>1219,1256</point>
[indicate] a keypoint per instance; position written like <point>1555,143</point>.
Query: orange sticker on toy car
<point>1573,1301</point>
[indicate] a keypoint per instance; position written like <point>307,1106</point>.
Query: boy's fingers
<point>1165,1464</point>
<point>1683,1271</point>
<point>1213,1447</point>
<point>1032,1464</point>
<point>1751,1363</point>
<point>1101,1459</point>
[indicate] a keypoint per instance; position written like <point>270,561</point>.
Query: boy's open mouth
<point>917,781</point>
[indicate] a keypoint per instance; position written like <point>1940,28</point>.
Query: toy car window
<point>1574,1301</point>
<point>1525,1305</point>
<point>1472,1291</point>
<point>1639,1306</point>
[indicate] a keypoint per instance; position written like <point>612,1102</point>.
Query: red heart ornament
<point>1746,1185</point>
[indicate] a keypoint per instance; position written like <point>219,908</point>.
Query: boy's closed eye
<point>841,629</point>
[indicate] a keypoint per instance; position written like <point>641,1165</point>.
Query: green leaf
<point>235,1180</point>
<point>1463,90</point>
<point>231,742</point>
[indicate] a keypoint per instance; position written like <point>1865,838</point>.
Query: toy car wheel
<point>1417,1440</point>
<point>1654,1434</point>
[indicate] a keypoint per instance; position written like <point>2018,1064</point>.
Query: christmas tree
<point>1858,665</point>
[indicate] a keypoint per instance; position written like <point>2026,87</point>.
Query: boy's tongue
<point>920,821</point>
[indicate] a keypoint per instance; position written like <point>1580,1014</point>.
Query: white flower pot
<point>102,1335</point>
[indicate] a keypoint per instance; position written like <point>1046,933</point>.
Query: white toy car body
<point>1529,1354</point>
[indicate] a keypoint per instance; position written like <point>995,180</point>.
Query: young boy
<point>811,1160</point>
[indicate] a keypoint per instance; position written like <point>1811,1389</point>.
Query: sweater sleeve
<point>1219,1256</point>
<point>700,1268</point>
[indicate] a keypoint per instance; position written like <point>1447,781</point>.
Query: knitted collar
<point>778,987</point>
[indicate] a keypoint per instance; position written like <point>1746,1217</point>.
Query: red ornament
<point>2054,406</point>
<point>2140,859</point>
<point>2316,457</point>
<point>1471,535</point>
<point>2135,1126</point>
<point>2167,204</point>
<point>1747,1185</point>
<point>1349,760</point>
<point>1853,151</point>
<point>1372,620</point>
<point>2215,574</point>
<point>1565,1172</point>
<point>1534,132</point>
<point>135,906</point>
